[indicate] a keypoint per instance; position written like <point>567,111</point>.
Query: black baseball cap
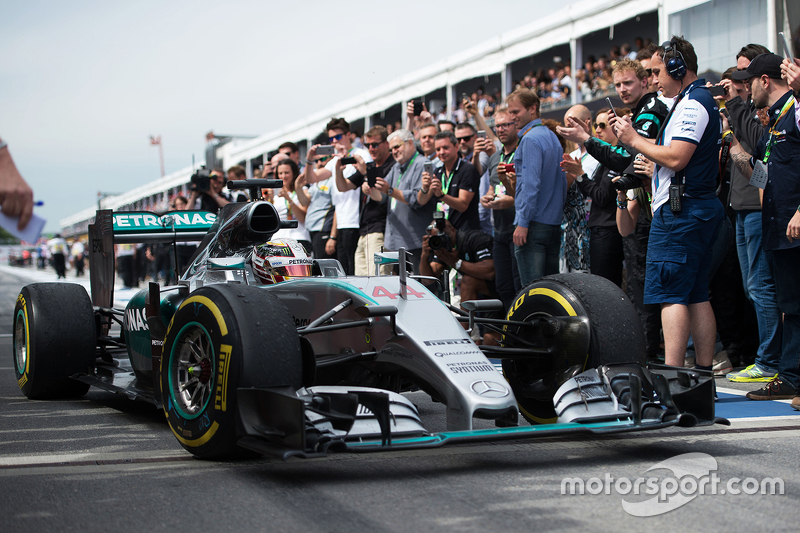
<point>769,64</point>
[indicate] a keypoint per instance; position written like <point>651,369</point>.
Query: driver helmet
<point>280,260</point>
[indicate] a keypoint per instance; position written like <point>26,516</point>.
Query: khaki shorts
<point>368,246</point>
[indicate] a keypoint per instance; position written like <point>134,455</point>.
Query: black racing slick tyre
<point>616,331</point>
<point>54,338</point>
<point>224,337</point>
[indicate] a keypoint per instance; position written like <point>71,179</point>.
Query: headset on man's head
<point>673,58</point>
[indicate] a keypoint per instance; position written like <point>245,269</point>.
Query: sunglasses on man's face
<point>465,139</point>
<point>649,71</point>
<point>372,145</point>
<point>336,138</point>
<point>600,125</point>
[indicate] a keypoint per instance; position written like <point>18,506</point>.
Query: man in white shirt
<point>344,234</point>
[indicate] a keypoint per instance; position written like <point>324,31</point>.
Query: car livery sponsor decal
<point>221,397</point>
<point>396,352</point>
<point>471,366</point>
<point>135,320</point>
<point>146,222</point>
<point>444,342</point>
<point>457,352</point>
<point>382,292</point>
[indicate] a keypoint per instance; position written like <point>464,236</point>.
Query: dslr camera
<point>201,180</point>
<point>630,178</point>
<point>441,241</point>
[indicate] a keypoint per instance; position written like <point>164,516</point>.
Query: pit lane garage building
<point>716,28</point>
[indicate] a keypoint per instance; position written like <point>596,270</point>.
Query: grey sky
<point>84,84</point>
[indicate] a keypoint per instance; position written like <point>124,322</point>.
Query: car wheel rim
<point>21,342</point>
<point>191,375</point>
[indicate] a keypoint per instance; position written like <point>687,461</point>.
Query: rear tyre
<point>54,338</point>
<point>224,337</point>
<point>616,331</point>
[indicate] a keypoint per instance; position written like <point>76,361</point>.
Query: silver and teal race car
<point>261,349</point>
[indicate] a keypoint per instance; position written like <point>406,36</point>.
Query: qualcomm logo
<point>489,389</point>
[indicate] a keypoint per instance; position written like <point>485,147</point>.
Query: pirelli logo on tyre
<point>221,396</point>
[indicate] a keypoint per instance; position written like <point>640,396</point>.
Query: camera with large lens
<point>442,240</point>
<point>630,178</point>
<point>628,181</point>
<point>201,180</point>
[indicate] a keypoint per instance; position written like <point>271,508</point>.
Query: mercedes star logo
<point>489,389</point>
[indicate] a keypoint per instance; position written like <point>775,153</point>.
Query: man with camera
<point>774,168</point>
<point>407,217</point>
<point>686,211</point>
<point>452,188</point>
<point>466,251</point>
<point>372,202</point>
<point>207,192</point>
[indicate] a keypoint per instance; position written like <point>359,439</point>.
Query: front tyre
<point>616,331</point>
<point>54,338</point>
<point>221,338</point>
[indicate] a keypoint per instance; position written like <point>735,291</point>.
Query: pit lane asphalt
<point>104,463</point>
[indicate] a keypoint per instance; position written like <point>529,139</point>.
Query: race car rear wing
<point>129,227</point>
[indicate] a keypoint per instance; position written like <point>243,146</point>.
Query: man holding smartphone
<point>453,188</point>
<point>372,202</point>
<point>344,234</point>
<point>407,218</point>
<point>686,211</point>
<point>501,202</point>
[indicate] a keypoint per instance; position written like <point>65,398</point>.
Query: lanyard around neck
<point>529,128</point>
<point>447,179</point>
<point>785,109</point>
<point>402,173</point>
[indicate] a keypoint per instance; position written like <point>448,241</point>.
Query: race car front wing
<point>315,421</point>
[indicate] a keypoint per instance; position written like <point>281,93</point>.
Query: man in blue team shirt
<point>541,189</point>
<point>686,154</point>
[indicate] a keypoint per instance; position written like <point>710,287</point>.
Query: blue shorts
<point>679,252</point>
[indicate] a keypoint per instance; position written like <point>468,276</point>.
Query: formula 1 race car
<point>260,348</point>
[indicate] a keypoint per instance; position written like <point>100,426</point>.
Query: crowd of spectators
<point>555,84</point>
